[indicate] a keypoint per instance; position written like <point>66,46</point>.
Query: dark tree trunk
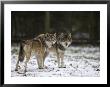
<point>47,21</point>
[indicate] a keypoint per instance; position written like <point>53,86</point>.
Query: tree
<point>47,21</point>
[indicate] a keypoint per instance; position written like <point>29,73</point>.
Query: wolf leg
<point>45,55</point>
<point>26,64</point>
<point>62,60</point>
<point>59,62</point>
<point>58,59</point>
<point>20,56</point>
<point>40,61</point>
<point>27,59</point>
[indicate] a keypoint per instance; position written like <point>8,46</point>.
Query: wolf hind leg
<point>20,56</point>
<point>27,59</point>
<point>25,70</point>
<point>40,61</point>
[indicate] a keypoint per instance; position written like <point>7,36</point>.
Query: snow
<point>80,61</point>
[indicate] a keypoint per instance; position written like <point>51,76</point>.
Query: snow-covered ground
<point>80,61</point>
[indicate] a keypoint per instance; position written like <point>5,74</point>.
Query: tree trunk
<point>47,21</point>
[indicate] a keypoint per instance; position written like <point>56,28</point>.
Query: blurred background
<point>84,25</point>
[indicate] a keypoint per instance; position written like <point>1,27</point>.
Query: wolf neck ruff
<point>60,47</point>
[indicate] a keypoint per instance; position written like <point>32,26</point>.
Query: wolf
<point>63,41</point>
<point>38,45</point>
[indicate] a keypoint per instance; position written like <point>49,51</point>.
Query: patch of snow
<point>80,61</point>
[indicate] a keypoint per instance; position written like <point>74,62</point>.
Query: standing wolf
<point>38,45</point>
<point>62,43</point>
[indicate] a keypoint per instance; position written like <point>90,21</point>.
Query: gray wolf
<point>63,41</point>
<point>38,45</point>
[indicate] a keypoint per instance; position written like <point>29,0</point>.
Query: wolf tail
<point>21,53</point>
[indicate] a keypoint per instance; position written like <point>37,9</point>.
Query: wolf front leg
<point>58,59</point>
<point>44,57</point>
<point>62,60</point>
<point>40,60</point>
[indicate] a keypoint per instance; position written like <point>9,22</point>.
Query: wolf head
<point>64,39</point>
